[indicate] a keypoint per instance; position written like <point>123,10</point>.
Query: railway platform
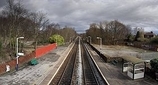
<point>113,72</point>
<point>58,63</point>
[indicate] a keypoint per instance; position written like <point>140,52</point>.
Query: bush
<point>154,64</point>
<point>154,40</point>
<point>142,39</point>
<point>56,39</point>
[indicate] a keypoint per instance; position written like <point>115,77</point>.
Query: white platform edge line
<point>60,65</point>
<point>97,66</point>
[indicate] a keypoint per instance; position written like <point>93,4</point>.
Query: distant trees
<point>11,22</point>
<point>68,33</point>
<point>112,32</point>
<point>39,21</point>
<point>16,21</point>
<point>130,38</point>
<point>94,32</point>
<point>139,36</point>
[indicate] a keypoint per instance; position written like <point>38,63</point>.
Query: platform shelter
<point>134,67</point>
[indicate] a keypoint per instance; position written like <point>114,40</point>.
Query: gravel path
<point>30,75</point>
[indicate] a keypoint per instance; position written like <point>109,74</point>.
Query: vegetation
<point>113,32</point>
<point>56,39</point>
<point>130,38</point>
<point>16,21</point>
<point>154,40</point>
<point>140,37</point>
<point>154,64</point>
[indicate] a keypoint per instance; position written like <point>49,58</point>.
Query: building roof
<point>132,59</point>
<point>149,33</point>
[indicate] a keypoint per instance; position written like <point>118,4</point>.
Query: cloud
<point>80,13</point>
<point>2,3</point>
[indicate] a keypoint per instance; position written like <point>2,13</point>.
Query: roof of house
<point>149,33</point>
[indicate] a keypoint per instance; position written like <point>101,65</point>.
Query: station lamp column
<point>90,41</point>
<point>17,53</point>
<point>99,38</point>
<point>70,39</point>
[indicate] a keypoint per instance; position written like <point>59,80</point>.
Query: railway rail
<point>88,73</point>
<point>64,75</point>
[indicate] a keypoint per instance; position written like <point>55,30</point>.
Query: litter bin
<point>33,62</point>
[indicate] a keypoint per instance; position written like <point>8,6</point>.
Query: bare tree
<point>111,32</point>
<point>94,32</point>
<point>68,33</point>
<point>117,30</point>
<point>14,15</point>
<point>39,21</point>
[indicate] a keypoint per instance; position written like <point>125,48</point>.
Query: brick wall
<point>12,63</point>
<point>45,49</point>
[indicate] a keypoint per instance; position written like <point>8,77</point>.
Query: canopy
<point>132,59</point>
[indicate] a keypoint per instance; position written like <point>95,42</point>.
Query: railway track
<point>91,72</point>
<point>78,69</point>
<point>64,75</point>
<point>89,76</point>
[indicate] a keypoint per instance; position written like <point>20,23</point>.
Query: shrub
<point>154,64</point>
<point>154,40</point>
<point>56,38</point>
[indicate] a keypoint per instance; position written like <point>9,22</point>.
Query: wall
<point>45,49</point>
<point>12,63</point>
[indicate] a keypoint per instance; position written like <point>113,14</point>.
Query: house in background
<point>149,35</point>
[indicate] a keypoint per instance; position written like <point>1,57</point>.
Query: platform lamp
<point>90,40</point>
<point>17,53</point>
<point>99,38</point>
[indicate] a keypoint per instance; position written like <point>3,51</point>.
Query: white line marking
<point>97,67</point>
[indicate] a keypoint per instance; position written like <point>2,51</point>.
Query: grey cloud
<point>2,3</point>
<point>80,13</point>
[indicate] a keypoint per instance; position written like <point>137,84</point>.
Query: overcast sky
<point>80,13</point>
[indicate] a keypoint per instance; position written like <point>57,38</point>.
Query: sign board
<point>20,54</point>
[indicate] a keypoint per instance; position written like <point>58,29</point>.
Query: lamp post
<point>90,39</point>
<point>70,39</point>
<point>99,38</point>
<point>17,54</point>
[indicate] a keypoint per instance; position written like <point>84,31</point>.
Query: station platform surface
<point>113,73</point>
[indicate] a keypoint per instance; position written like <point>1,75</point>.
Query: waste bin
<point>33,62</point>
